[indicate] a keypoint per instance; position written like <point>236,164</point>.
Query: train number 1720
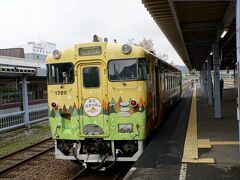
<point>61,92</point>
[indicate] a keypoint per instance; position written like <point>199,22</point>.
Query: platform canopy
<point>192,27</point>
<point>17,67</point>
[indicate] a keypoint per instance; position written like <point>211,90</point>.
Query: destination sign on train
<point>90,51</point>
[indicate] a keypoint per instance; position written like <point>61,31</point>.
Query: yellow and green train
<point>105,99</point>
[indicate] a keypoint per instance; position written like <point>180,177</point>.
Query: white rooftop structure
<point>38,50</point>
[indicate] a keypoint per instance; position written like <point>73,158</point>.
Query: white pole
<point>25,100</point>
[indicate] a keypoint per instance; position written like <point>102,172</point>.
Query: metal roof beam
<point>165,18</point>
<point>230,53</point>
<point>197,44</point>
<point>153,2</point>
<point>228,40</point>
<point>172,7</point>
<point>226,20</point>
<point>157,6</point>
<point>200,41</point>
<point>162,15</point>
<point>159,10</point>
<point>200,26</point>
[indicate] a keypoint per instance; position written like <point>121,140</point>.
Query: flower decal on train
<point>123,106</point>
<point>92,107</point>
<point>124,109</point>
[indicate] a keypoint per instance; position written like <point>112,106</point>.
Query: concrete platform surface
<point>162,158</point>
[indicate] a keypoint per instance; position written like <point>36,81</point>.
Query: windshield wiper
<point>118,76</point>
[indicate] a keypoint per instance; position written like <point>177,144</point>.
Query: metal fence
<point>15,120</point>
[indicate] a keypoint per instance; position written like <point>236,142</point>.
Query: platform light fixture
<point>211,53</point>
<point>225,30</point>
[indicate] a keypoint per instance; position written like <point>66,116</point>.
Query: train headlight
<point>125,128</point>
<point>56,54</point>
<point>126,49</point>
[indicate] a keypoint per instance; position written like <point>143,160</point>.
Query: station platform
<point>191,144</point>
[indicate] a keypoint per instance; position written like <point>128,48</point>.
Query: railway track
<point>14,160</point>
<point>117,172</point>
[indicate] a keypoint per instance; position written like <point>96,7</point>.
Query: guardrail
<point>15,120</point>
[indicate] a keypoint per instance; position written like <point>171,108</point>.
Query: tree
<point>80,110</point>
<point>131,40</point>
<point>163,56</point>
<point>112,106</point>
<point>75,111</point>
<point>147,44</point>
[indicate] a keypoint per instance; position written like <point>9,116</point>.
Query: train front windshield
<point>61,73</point>
<point>127,70</point>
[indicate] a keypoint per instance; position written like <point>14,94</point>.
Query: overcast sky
<point>68,22</point>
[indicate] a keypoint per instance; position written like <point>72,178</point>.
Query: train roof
<point>109,51</point>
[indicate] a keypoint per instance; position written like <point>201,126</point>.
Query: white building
<point>38,51</point>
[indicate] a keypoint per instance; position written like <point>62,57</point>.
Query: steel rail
<point>24,149</point>
<point>17,164</point>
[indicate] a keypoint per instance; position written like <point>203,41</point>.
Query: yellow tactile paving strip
<point>200,160</point>
<point>225,142</point>
<point>192,144</point>
<point>204,143</point>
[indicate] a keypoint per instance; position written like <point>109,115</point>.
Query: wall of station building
<point>11,85</point>
<point>35,56</point>
<point>11,92</point>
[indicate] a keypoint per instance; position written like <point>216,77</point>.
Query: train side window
<point>163,82</point>
<point>142,69</point>
<point>166,82</point>
<point>170,81</point>
<point>170,84</point>
<point>91,77</point>
<point>173,82</point>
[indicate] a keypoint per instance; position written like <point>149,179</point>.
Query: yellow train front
<point>105,99</point>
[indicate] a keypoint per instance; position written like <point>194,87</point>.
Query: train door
<point>92,93</point>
